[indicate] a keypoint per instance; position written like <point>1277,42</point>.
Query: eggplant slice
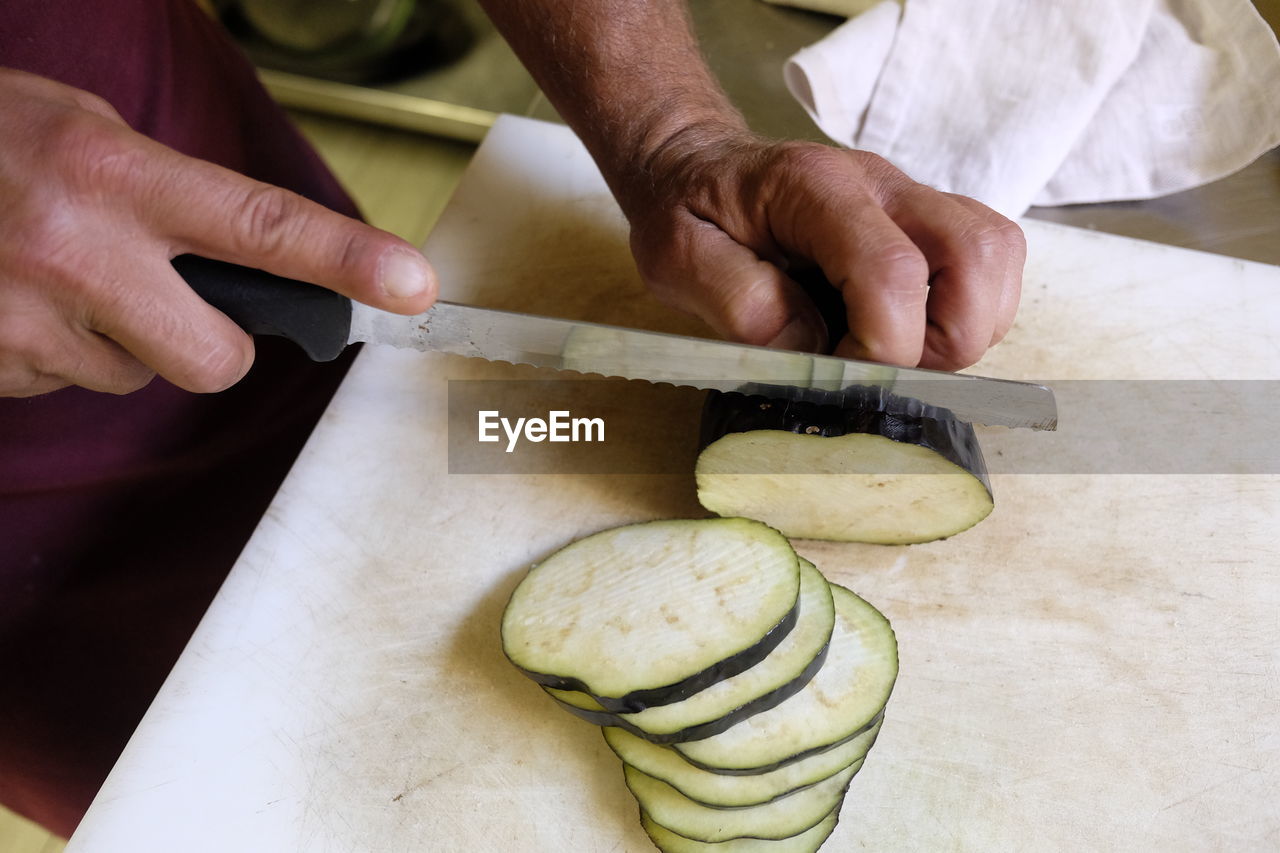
<point>724,791</point>
<point>879,470</point>
<point>781,818</point>
<point>843,701</point>
<point>806,842</point>
<point>714,709</point>
<point>651,613</point>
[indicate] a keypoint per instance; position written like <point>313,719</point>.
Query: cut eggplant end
<point>651,613</point>
<point>806,842</point>
<point>873,473</point>
<point>780,818</point>
<point>728,791</point>
<point>847,488</point>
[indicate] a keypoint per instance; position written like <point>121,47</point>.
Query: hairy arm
<point>719,214</point>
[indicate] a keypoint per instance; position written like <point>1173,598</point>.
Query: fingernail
<point>800,335</point>
<point>404,274</point>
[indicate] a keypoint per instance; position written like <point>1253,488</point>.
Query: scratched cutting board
<point>1095,667</point>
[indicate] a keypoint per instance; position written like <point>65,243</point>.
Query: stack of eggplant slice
<point>740,688</point>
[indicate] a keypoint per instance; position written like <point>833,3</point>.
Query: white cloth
<point>1021,102</point>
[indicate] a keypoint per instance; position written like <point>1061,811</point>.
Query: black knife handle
<point>316,319</point>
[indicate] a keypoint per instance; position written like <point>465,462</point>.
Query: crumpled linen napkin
<point>1022,102</point>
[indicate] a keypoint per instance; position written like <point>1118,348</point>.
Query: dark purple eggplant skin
<point>865,409</point>
<point>638,700</point>
<point>751,771</point>
<point>712,727</point>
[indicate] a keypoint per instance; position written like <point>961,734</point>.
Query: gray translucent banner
<point>610,426</point>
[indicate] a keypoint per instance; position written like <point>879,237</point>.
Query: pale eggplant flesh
<point>808,841</point>
<point>873,470</point>
<point>648,614</point>
<point>710,711</point>
<point>780,818</point>
<point>730,791</point>
<point>844,700</point>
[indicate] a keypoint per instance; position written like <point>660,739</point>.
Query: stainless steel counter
<point>746,42</point>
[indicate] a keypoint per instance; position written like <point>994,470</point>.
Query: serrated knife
<point>324,323</point>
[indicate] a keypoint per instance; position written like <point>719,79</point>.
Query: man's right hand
<point>92,214</point>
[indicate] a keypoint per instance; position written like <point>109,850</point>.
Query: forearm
<point>627,75</point>
<point>718,215</point>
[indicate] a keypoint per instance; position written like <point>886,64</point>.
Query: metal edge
<point>408,112</point>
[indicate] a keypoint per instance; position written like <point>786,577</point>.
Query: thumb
<point>742,297</point>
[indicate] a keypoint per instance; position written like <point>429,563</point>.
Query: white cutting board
<point>1095,667</point>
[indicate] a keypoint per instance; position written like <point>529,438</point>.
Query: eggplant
<point>648,614</point>
<point>724,791</point>
<point>780,818</point>
<point>861,466</point>
<point>718,707</point>
<point>768,681</point>
<point>806,842</point>
<point>843,701</point>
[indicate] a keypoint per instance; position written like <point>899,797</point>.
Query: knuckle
<point>809,156</point>
<point>27,383</point>
<point>357,255</point>
<point>662,259</point>
<point>131,379</point>
<point>827,173</point>
<point>93,155</point>
<point>903,263</point>
<point>27,364</point>
<point>873,163</point>
<point>96,104</point>
<point>116,371</point>
<point>988,243</point>
<point>899,275</point>
<point>353,252</point>
<point>1014,238</point>
<point>750,312</point>
<point>760,325</point>
<point>887,350</point>
<point>22,343</point>
<point>42,242</point>
<point>953,348</point>
<point>270,220</point>
<point>885,180</point>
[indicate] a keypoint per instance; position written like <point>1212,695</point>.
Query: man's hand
<point>92,214</point>
<point>718,218</point>
<point>719,215</point>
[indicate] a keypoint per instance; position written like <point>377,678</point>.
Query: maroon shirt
<point>120,515</point>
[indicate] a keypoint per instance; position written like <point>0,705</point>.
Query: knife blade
<point>324,323</point>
